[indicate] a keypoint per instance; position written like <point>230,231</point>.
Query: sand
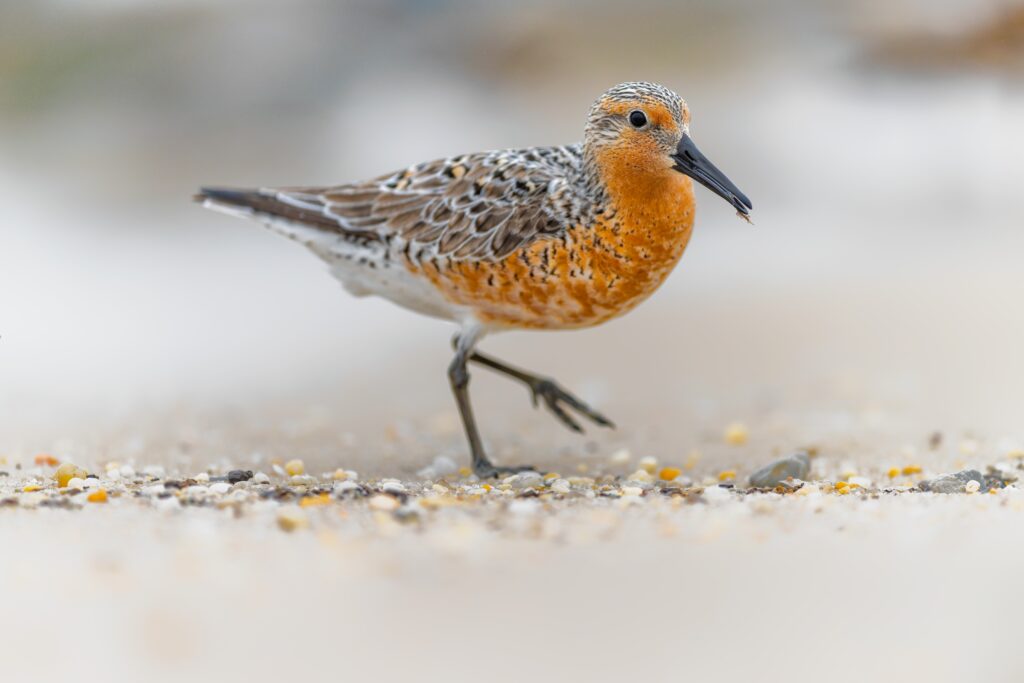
<point>602,572</point>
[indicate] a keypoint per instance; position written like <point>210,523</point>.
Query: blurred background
<point>879,140</point>
<point>873,312</point>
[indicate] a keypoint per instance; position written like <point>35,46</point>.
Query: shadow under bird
<point>544,238</point>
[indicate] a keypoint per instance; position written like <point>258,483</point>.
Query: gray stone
<point>795,466</point>
<point>525,480</point>
<point>235,476</point>
<point>951,483</point>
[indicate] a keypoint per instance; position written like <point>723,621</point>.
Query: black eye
<point>637,118</point>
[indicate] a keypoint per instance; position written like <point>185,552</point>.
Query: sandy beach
<point>263,477</point>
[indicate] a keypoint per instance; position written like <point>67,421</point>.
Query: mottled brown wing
<point>475,207</point>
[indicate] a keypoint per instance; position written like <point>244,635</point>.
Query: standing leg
<point>458,375</point>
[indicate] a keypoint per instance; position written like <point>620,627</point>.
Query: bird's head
<point>643,130</point>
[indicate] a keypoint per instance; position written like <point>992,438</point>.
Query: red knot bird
<point>545,238</point>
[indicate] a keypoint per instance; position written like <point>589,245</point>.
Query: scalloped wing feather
<point>473,207</point>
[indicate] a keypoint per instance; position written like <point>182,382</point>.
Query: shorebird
<point>544,238</point>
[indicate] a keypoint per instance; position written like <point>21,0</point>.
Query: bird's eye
<point>637,118</point>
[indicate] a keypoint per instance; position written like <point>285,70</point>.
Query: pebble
<point>98,496</point>
<point>383,503</point>
<point>951,483</point>
<point>736,434</point>
<point>202,477</point>
<point>295,467</point>
<point>641,476</point>
<point>648,464</point>
<point>292,518</point>
<point>235,476</point>
<point>221,487</point>
<point>560,486</point>
<point>776,473</point>
<point>524,480</point>
<point>669,473</point>
<point>127,471</point>
<point>315,501</point>
<point>392,486</point>
<point>155,471</point>
<point>809,490</point>
<point>260,478</point>
<point>343,487</point>
<point>1003,471</point>
<point>68,471</point>
<point>76,483</point>
<point>972,486</point>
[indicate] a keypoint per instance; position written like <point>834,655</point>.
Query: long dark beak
<point>690,161</point>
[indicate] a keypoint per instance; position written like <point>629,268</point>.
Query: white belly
<point>391,280</point>
<point>373,270</point>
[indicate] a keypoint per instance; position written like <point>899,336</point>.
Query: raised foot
<point>488,471</point>
<point>554,396</point>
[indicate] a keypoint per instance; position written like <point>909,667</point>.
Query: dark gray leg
<point>547,390</point>
<point>458,374</point>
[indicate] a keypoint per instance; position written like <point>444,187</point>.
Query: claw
<point>554,396</point>
<point>562,415</point>
<point>582,407</point>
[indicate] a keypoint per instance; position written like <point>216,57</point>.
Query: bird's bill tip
<point>690,161</point>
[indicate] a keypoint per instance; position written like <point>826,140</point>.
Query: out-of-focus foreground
<point>874,304</point>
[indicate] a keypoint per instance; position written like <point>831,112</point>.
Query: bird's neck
<point>640,221</point>
<point>641,195</point>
